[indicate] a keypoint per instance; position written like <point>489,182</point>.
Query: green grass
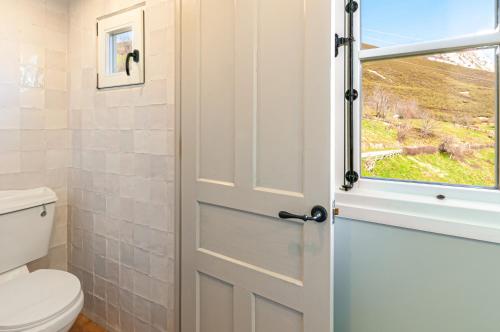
<point>476,169</point>
<point>382,134</point>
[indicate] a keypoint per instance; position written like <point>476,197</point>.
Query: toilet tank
<point>26,220</point>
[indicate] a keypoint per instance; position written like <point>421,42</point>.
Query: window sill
<point>454,216</point>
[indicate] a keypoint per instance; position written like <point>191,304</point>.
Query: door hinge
<point>335,212</point>
<point>97,29</point>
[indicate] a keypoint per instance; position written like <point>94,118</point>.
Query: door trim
<point>177,171</point>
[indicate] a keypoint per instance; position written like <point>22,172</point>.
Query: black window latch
<point>350,8</point>
<point>341,41</point>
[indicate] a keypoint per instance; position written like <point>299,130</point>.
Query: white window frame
<point>130,19</point>
<point>467,212</point>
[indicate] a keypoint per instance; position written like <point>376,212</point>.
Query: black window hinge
<point>351,7</point>
<point>351,95</point>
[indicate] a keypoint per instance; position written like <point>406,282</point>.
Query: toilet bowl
<point>43,300</point>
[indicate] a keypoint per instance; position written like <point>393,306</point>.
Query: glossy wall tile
<point>34,136</point>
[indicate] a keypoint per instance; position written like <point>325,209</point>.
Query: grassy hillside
<point>447,111</point>
<point>438,168</point>
<point>444,89</point>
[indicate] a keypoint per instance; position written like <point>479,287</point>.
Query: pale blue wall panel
<point>396,280</point>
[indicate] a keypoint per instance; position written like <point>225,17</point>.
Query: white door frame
<point>177,177</point>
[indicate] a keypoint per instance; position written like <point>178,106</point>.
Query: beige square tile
<point>10,140</point>
<point>56,79</point>
<point>10,162</point>
<point>32,98</point>
<point>32,54</point>
<point>32,118</point>
<point>32,140</point>
<point>33,161</point>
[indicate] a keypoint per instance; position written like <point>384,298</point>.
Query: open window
<point>418,83</point>
<point>120,49</point>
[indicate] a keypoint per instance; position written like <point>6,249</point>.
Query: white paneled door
<point>256,140</point>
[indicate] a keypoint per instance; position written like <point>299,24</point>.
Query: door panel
<point>256,134</point>
<point>280,91</point>
<point>216,104</point>
<point>219,317</point>
<point>263,242</point>
<point>271,316</point>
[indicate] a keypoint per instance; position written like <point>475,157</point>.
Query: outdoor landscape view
<point>429,118</point>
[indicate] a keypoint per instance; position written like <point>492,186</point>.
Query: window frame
<point>466,211</point>
<point>130,19</point>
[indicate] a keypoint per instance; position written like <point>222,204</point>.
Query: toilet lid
<point>31,299</point>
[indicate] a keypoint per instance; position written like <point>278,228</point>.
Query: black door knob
<point>318,214</point>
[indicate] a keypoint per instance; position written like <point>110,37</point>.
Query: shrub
<point>427,129</point>
<point>416,150</point>
<point>407,109</point>
<point>381,102</point>
<point>403,130</point>
<point>370,164</point>
<point>463,119</point>
<point>453,148</point>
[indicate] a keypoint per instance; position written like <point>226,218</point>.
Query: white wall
<point>122,176</point>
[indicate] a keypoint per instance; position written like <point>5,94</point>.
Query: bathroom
<point>249,166</point>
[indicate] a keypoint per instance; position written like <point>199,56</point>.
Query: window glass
<point>396,22</point>
<point>120,45</point>
<point>431,118</point>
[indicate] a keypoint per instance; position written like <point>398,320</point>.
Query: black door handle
<point>318,214</point>
<point>134,56</point>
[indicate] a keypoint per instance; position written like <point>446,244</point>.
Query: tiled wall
<point>121,179</point>
<point>34,135</point>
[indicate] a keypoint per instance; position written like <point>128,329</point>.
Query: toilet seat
<point>33,299</point>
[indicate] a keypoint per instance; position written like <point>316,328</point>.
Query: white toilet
<point>44,300</point>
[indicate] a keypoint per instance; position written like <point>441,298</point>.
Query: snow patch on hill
<point>377,74</point>
<point>480,60</point>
